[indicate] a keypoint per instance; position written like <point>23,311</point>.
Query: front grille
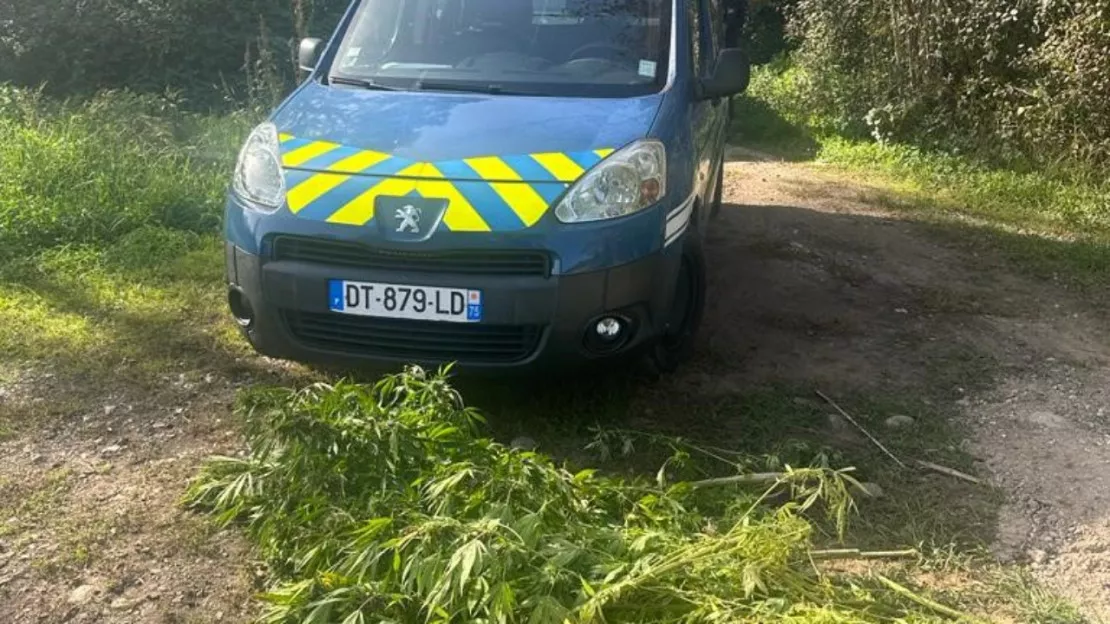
<point>416,340</point>
<point>471,262</point>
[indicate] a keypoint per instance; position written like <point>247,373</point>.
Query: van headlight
<point>630,180</point>
<point>258,174</point>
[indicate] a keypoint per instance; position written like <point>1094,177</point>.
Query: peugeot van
<point>501,184</point>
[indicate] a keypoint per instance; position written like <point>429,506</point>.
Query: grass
<point>110,262</point>
<point>93,172</point>
<point>131,314</point>
<point>1054,223</point>
<point>151,299</point>
<point>28,507</point>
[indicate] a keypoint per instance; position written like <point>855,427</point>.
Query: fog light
<point>606,335</point>
<point>609,328</point>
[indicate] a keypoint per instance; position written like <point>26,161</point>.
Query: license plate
<point>425,303</point>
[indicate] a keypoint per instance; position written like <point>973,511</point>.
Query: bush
<point>92,172</point>
<point>1070,107</point>
<point>1024,81</point>
<point>385,504</point>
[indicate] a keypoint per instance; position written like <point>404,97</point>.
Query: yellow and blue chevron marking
<point>339,184</point>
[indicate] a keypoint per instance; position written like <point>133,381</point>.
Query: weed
<point>1034,603</point>
<point>384,503</point>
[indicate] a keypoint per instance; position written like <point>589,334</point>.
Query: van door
<point>710,123</point>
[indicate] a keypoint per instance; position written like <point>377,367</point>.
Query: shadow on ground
<point>813,288</point>
<point>123,311</point>
<point>81,335</point>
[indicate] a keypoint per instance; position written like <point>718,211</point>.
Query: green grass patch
<point>92,172</point>
<point>149,303</point>
<point>1052,224</point>
<point>110,260</point>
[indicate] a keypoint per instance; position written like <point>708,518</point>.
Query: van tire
<point>677,343</point>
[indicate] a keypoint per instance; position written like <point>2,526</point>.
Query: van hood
<point>435,126</point>
<point>480,163</point>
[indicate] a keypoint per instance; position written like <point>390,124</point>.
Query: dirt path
<point>814,285</point>
<point>837,293</point>
<point>93,532</point>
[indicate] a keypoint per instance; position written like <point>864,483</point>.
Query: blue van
<point>504,184</point>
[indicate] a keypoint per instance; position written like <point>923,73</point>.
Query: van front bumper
<point>529,322</point>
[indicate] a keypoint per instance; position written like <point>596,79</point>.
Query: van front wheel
<point>687,309</point>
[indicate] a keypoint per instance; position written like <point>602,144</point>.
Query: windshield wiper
<point>424,85</point>
<point>365,83</point>
<point>493,89</point>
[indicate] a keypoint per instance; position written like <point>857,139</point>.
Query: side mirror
<point>308,55</point>
<point>731,75</point>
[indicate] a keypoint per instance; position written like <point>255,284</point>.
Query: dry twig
<point>860,427</point>
<point>855,553</point>
<point>952,472</point>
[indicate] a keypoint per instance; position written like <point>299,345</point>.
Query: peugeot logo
<point>409,219</point>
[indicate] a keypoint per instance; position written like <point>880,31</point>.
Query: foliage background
<point>1012,80</point>
<point>1024,83</point>
<point>211,51</point>
<point>1017,82</point>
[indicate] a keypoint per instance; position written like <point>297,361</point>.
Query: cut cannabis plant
<point>386,504</point>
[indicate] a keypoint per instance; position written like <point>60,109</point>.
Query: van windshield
<point>581,48</point>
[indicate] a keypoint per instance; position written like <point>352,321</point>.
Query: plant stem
<point>855,553</point>
<point>925,602</point>
<point>758,478</point>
